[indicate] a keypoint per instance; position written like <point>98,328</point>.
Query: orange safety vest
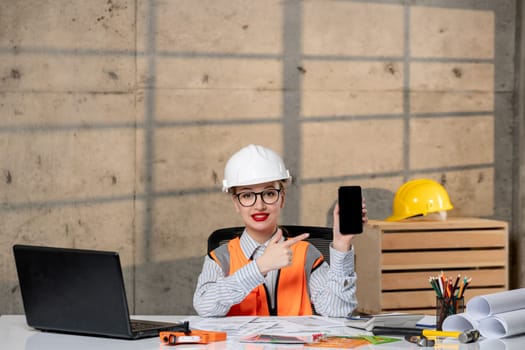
<point>291,295</point>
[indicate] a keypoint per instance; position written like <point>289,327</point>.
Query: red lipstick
<point>260,216</point>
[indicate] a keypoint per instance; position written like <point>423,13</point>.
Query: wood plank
<point>443,259</point>
<point>425,299</point>
<point>444,239</point>
<point>450,223</point>
<point>419,280</point>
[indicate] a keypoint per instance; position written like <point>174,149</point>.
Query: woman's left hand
<point>341,242</point>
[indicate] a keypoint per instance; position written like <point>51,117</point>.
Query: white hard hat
<point>252,165</point>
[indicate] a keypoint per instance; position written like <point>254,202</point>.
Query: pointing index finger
<point>296,239</point>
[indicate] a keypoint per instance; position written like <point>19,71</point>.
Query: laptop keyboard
<point>137,326</point>
<point>142,326</point>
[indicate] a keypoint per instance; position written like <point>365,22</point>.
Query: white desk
<point>16,335</point>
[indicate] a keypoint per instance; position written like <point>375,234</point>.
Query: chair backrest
<point>320,237</point>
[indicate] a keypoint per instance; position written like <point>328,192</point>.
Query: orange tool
<point>192,337</point>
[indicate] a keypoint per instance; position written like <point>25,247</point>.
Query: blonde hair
<point>282,186</point>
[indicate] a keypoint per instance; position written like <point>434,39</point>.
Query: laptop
<point>79,291</point>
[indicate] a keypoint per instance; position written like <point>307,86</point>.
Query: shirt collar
<point>249,245</point>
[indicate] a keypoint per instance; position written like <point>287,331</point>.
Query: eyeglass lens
<point>269,196</point>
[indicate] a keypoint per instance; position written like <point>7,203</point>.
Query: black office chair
<point>320,237</point>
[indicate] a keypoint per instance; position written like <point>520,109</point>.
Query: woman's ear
<point>283,197</point>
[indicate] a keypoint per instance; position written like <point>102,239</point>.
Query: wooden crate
<point>395,259</point>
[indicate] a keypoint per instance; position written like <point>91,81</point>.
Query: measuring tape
<point>191,337</point>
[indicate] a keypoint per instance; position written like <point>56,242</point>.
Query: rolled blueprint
<point>512,343</point>
<point>460,322</point>
<point>503,324</point>
<point>483,306</point>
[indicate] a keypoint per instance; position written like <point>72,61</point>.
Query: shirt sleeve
<point>333,287</point>
<point>215,293</point>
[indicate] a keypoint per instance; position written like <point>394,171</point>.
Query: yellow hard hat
<point>419,197</point>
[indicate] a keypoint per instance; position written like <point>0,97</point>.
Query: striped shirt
<point>332,287</point>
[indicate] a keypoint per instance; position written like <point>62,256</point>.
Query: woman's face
<point>261,218</point>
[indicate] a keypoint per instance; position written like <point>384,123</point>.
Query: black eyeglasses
<point>269,196</point>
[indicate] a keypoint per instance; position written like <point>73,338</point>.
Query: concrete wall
<point>117,118</point>
<point>518,218</point>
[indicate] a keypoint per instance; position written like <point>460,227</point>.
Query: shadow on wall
<point>165,288</point>
<point>162,288</point>
<point>378,204</point>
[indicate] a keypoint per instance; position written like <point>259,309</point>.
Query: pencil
<point>449,288</point>
<point>456,284</point>
<point>465,285</point>
<point>432,281</point>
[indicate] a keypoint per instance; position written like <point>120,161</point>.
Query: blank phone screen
<point>350,210</point>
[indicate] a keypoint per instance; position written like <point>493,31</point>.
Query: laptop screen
<point>72,290</point>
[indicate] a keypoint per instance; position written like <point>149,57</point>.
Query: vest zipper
<point>273,311</point>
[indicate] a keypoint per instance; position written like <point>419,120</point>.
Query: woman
<point>262,272</point>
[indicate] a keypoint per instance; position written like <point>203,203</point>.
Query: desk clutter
<point>497,315</point>
<point>319,340</point>
<point>308,331</point>
<point>16,335</point>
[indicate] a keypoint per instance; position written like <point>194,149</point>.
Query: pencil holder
<point>446,307</point>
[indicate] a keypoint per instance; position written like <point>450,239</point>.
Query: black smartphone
<point>350,210</point>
